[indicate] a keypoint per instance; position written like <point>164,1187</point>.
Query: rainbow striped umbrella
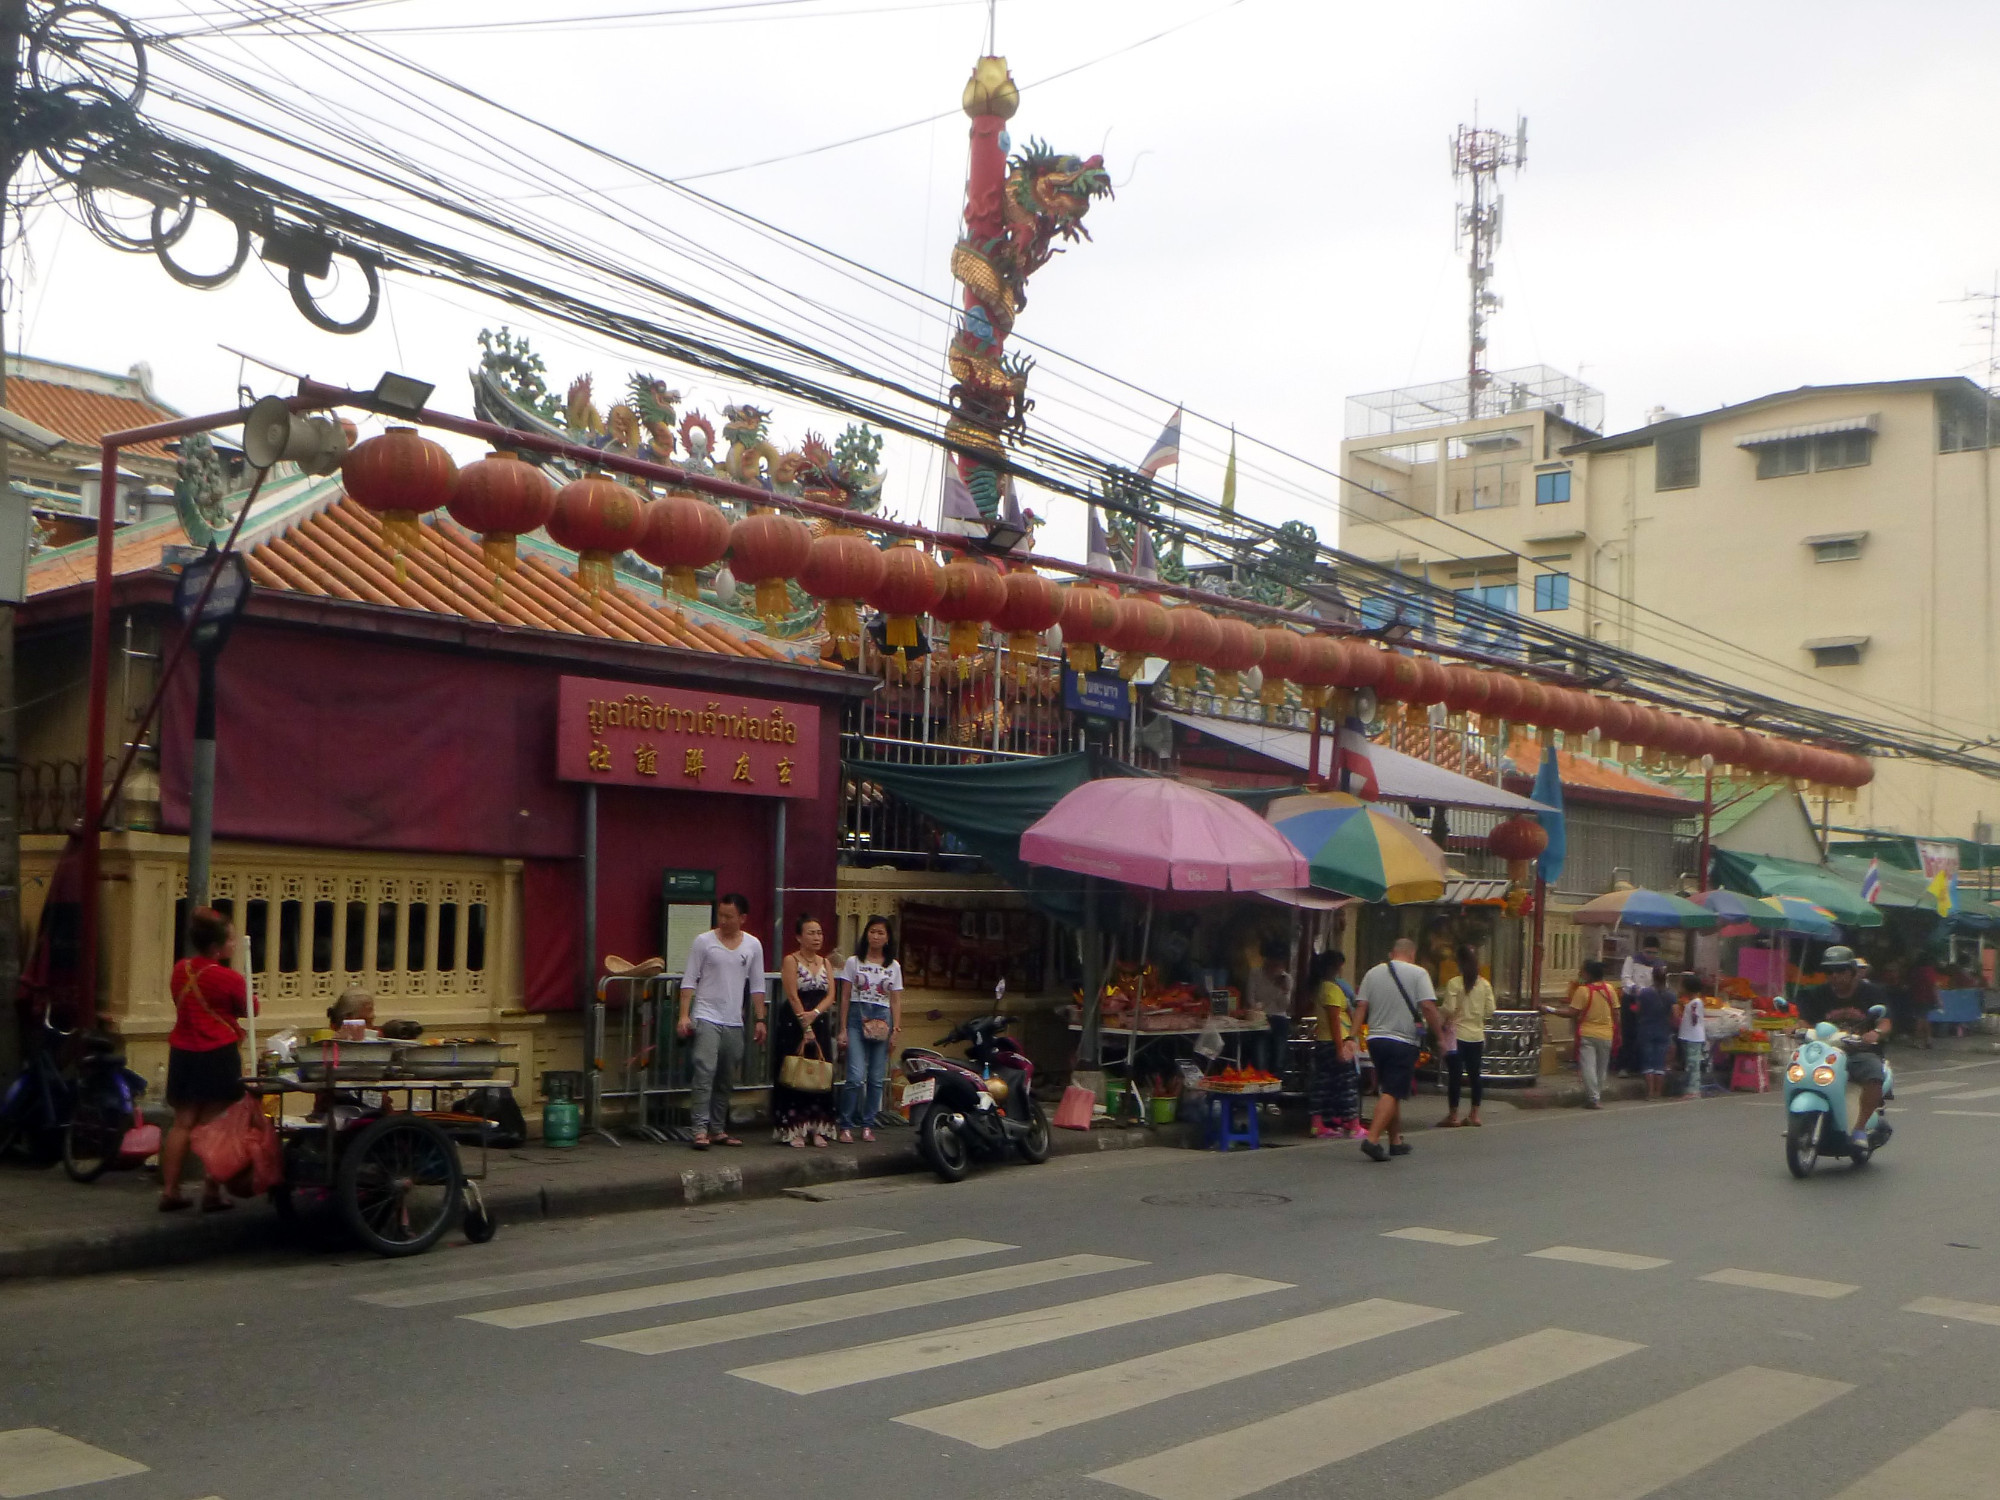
<point>1358,850</point>
<point>1734,907</point>
<point>1636,907</point>
<point>1802,917</point>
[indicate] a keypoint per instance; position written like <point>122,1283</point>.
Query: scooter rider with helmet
<point>1849,1001</point>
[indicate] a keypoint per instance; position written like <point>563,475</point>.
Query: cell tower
<point>1477,155</point>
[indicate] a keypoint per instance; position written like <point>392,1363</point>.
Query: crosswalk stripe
<point>1616,1260</point>
<point>701,1332</point>
<point>949,1346</point>
<point>604,1270</point>
<point>1911,1090</point>
<point>1437,1236</point>
<point>636,1299</point>
<point>35,1460</point>
<point>1244,1460</point>
<point>1964,1312</point>
<point>1957,1462</point>
<point>1970,1114</point>
<point>1669,1440</point>
<point>1968,1097</point>
<point>1797,1286</point>
<point>1013,1416</point>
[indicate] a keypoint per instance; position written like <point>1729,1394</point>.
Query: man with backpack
<point>1397,1005</point>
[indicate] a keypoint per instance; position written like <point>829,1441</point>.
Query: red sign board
<point>631,734</point>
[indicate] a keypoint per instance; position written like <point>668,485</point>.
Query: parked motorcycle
<point>982,1107</point>
<point>106,1111</point>
<point>1820,1103</point>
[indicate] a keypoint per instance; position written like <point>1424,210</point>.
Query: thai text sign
<point>629,734</point>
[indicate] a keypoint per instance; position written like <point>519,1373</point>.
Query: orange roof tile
<point>84,416</point>
<point>1583,771</point>
<point>133,550</point>
<point>338,553</point>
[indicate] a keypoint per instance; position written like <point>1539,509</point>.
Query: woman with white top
<point>1466,1003</point>
<point>871,1017</point>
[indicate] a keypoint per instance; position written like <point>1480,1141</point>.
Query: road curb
<point>682,1179</point>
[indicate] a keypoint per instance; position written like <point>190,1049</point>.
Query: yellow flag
<point>1229,475</point>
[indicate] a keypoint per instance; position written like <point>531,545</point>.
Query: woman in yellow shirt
<point>1466,1003</point>
<point>1335,1103</point>
<point>1594,1008</point>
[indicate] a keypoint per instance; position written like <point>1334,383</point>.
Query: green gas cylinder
<point>562,1117</point>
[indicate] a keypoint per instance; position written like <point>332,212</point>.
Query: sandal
<point>727,1140</point>
<point>846,1137</point>
<point>867,1135</point>
<point>700,1143</point>
<point>218,1206</point>
<point>1449,1124</point>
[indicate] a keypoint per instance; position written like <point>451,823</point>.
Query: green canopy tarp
<point>1908,889</point>
<point>1768,875</point>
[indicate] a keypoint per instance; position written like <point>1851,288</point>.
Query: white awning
<point>1809,429</point>
<point>1402,778</point>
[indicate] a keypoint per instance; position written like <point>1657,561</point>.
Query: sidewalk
<point>50,1226</point>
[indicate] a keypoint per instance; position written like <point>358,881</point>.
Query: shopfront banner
<point>634,734</point>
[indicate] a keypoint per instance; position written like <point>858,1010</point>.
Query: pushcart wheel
<point>480,1225</point>
<point>399,1185</point>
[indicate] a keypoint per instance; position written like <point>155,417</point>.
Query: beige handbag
<point>807,1075</point>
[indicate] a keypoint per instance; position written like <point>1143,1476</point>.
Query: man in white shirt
<point>1397,1004</point>
<point>724,964</point>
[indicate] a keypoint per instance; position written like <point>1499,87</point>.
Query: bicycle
<point>39,1100</point>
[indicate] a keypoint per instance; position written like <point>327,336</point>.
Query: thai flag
<point>1099,553</point>
<point>1145,562</point>
<point>1355,765</point>
<point>1166,448</point>
<point>1871,883</point>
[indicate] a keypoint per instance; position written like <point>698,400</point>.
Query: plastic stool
<point>1752,1074</point>
<point>1222,1129</point>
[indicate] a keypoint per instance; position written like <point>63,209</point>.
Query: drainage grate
<point>1218,1199</point>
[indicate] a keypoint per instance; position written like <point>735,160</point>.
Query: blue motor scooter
<point>1819,1103</point>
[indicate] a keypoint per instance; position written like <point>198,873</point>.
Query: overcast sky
<point>1720,200</point>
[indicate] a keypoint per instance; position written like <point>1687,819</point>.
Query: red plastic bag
<point>1077,1106</point>
<point>239,1148</point>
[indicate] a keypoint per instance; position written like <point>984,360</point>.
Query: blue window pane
<point>1552,488</point>
<point>1479,627</point>
<point>1552,591</point>
<point>1398,609</point>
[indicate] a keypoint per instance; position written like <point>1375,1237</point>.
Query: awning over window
<point>1809,429</point>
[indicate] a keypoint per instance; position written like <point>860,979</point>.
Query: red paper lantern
<point>1758,755</point>
<point>911,584</point>
<point>1089,616</point>
<point>399,475</point>
<point>1862,771</point>
<point>1192,640</point>
<point>1283,650</point>
<point>1534,705</point>
<point>681,534</point>
<point>596,519</point>
<point>1519,839</point>
<point>1143,630</point>
<point>1322,666</point>
<point>765,549</point>
<point>499,497</point>
<point>973,594</point>
<point>1571,711</point>
<point>841,567</point>
<point>1616,720</point>
<point>1239,647</point>
<point>1466,689</point>
<point>1788,758</point>
<point>1032,604</point>
<point>1729,745</point>
<point>1503,695</point>
<point>1399,677</point>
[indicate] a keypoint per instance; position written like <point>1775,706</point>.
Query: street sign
<point>1103,695</point>
<point>225,601</point>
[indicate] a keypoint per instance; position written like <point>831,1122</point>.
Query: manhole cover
<point>1217,1199</point>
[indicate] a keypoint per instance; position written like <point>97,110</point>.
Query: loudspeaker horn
<point>274,433</point>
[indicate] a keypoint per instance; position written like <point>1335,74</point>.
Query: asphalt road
<point>1563,1305</point>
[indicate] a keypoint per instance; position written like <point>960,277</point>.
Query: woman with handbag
<point>871,1016</point>
<point>801,1108</point>
<point>204,1051</point>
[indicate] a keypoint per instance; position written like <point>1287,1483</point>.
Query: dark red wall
<point>365,744</point>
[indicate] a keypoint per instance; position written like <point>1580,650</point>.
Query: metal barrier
<point>640,1061</point>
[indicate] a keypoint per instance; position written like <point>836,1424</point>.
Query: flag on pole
<point>1229,475</point>
<point>1166,448</point>
<point>1355,765</point>
<point>1549,792</point>
<point>1871,883</point>
<point>1145,562</point>
<point>1943,889</point>
<point>1098,552</point>
<point>961,511</point>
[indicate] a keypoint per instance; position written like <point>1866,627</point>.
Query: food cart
<point>382,1144</point>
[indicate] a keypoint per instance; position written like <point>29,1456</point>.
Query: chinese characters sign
<point>626,734</point>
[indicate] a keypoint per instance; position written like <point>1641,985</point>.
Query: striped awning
<point>1809,429</point>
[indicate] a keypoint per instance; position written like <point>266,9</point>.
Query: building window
<point>1842,548</point>
<point>1838,651</point>
<point>1966,419</point>
<point>1677,459</point>
<point>1781,460</point>
<point>1806,455</point>
<point>1551,592</point>
<point>1552,488</point>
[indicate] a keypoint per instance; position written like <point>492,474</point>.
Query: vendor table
<point>395,1174</point>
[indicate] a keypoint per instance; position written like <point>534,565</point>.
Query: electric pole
<point>13,29</point>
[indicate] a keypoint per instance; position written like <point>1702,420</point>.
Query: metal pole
<point>201,780</point>
<point>1089,1047</point>
<point>1312,754</point>
<point>93,734</point>
<point>592,1082</point>
<point>777,912</point>
<point>1707,825</point>
<point>13,22</point>
<point>1535,964</point>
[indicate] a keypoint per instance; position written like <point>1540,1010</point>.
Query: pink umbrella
<point>1149,831</point>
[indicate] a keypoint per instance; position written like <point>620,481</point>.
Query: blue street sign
<point>1103,694</point>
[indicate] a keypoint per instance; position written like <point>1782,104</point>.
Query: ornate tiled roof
<point>84,416</point>
<point>1524,756</point>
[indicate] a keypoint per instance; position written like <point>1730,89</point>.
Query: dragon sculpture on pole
<point>1017,213</point>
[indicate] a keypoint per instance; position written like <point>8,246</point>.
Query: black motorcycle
<point>984,1106</point>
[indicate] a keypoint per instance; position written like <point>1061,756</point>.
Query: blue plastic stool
<point>1222,1129</point>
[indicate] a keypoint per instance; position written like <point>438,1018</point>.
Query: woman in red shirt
<point>204,1057</point>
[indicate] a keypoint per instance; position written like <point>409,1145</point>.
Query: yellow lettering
<point>742,767</point>
<point>600,756</point>
<point>785,771</point>
<point>692,764</point>
<point>646,760</point>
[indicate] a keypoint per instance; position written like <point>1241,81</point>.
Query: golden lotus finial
<point>990,90</point>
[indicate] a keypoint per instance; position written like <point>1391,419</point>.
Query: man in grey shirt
<point>1397,1003</point>
<point>724,964</point>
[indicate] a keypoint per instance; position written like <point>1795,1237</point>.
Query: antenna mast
<point>1477,156</point>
